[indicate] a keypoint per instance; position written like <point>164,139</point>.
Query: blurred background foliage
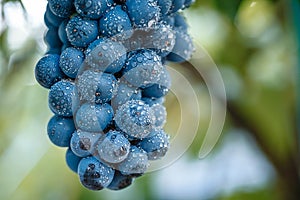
<point>254,43</point>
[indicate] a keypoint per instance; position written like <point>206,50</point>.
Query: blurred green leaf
<point>229,8</point>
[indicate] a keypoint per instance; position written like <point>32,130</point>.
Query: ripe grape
<point>82,143</point>
<point>135,118</point>
<point>93,117</point>
<point>114,148</point>
<point>156,146</point>
<point>93,9</point>
<point>116,23</point>
<point>120,181</point>
<point>143,13</point>
<point>81,31</point>
<point>70,61</point>
<point>93,174</point>
<point>72,160</point>
<point>60,130</point>
<point>61,8</point>
<point>47,70</point>
<point>60,98</point>
<point>96,87</point>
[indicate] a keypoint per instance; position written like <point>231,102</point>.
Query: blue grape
<point>143,13</point>
<point>62,32</point>
<point>70,61</point>
<point>124,93</point>
<point>93,174</point>
<point>93,117</point>
<point>165,6</point>
<point>93,9</point>
<point>183,48</point>
<point>155,91</point>
<point>72,160</point>
<point>160,115</point>
<point>81,31</point>
<point>114,148</point>
<point>160,88</point>
<point>161,39</point>
<point>96,87</point>
<point>106,55</point>
<point>52,39</point>
<point>156,146</point>
<point>116,23</point>
<point>168,20</point>
<point>61,8</point>
<point>143,68</point>
<point>120,181</point>
<point>47,70</point>
<point>135,163</point>
<point>60,130</point>
<point>60,98</point>
<point>50,19</point>
<point>177,5</point>
<point>135,118</point>
<point>83,143</point>
<point>180,22</point>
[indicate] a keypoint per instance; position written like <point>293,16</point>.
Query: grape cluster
<point>106,74</point>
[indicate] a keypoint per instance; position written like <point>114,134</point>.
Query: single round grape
<point>93,117</point>
<point>120,181</point>
<point>83,143</point>
<point>114,148</point>
<point>106,55</point>
<point>116,23</point>
<point>124,93</point>
<point>161,39</point>
<point>183,48</point>
<point>70,61</point>
<point>61,8</point>
<point>93,9</point>
<point>180,22</point>
<point>135,163</point>
<point>96,87</point>
<point>135,118</point>
<point>72,160</point>
<point>81,32</point>
<point>157,145</point>
<point>143,13</point>
<point>47,70</point>
<point>60,130</point>
<point>60,98</point>
<point>143,68</point>
<point>93,174</point>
